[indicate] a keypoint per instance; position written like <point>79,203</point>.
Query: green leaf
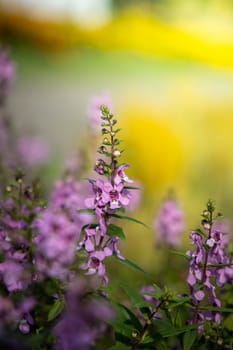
<point>218,265</point>
<point>213,308</point>
<point>178,302</point>
<point>180,254</point>
<point>129,218</point>
<point>114,230</point>
<point>163,326</point>
<point>228,322</point>
<point>55,310</point>
<point>132,265</point>
<point>189,339</point>
<point>132,188</point>
<point>134,320</point>
<point>167,330</point>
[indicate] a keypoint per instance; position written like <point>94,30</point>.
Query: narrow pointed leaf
<point>114,230</point>
<point>189,339</point>
<point>55,310</point>
<point>129,218</point>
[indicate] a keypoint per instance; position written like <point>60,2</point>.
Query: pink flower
<point>169,223</point>
<point>33,151</point>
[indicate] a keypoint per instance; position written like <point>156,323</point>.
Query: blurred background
<point>167,66</point>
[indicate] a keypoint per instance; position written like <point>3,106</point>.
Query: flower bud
<point>205,224</point>
<point>116,153</point>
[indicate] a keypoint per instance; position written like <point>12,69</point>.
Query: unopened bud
<point>116,153</point>
<point>205,224</point>
<point>102,149</point>
<point>104,131</point>
<point>8,188</point>
<point>134,334</point>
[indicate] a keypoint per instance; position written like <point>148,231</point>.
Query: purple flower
<point>32,151</point>
<point>14,275</point>
<point>169,223</point>
<point>109,195</point>
<point>83,320</point>
<point>98,246</point>
<point>224,227</point>
<point>55,242</point>
<point>120,176</point>
<point>69,196</point>
<point>206,272</point>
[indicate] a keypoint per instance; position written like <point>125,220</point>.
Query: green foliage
<point>114,230</point>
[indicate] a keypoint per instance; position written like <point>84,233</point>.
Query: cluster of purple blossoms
<point>169,223</point>
<point>58,229</point>
<point>13,247</point>
<point>84,319</point>
<point>7,74</point>
<point>32,151</point>
<point>110,195</point>
<point>209,268</point>
<point>16,274</point>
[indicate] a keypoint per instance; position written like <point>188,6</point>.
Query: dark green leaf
<point>189,339</point>
<point>167,330</point>
<point>178,302</point>
<point>228,322</point>
<point>132,265</point>
<point>132,188</point>
<point>114,230</point>
<point>55,310</point>
<point>119,346</point>
<point>134,320</point>
<point>213,308</point>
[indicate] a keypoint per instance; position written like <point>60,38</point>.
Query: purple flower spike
<point>110,194</point>
<point>169,223</point>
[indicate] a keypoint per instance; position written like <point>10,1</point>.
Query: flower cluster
<point>58,229</point>
<point>209,267</point>
<point>169,223</point>
<point>32,151</point>
<point>110,195</point>
<point>83,320</point>
<point>19,206</point>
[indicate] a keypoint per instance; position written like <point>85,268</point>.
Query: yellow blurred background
<point>168,66</point>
